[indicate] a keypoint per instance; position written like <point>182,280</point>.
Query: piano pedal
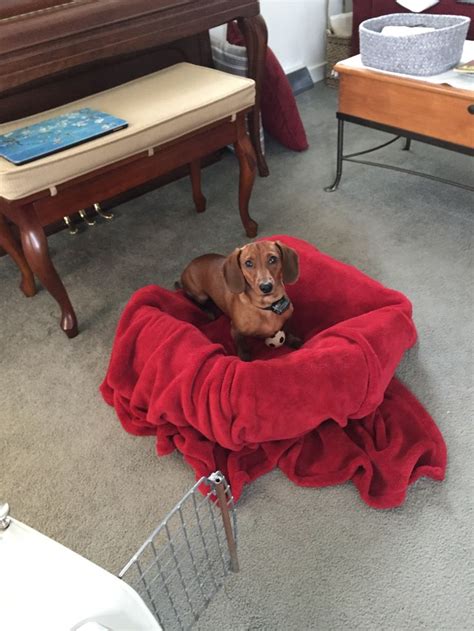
<point>103,213</point>
<point>72,228</point>
<point>85,217</point>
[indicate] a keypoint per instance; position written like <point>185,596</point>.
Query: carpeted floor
<point>310,558</point>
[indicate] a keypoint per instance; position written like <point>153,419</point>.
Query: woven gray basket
<point>422,54</point>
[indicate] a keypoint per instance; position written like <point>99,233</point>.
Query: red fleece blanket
<point>324,414</point>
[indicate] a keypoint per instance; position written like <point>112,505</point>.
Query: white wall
<point>297,32</point>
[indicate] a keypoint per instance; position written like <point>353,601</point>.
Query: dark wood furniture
<point>34,212</point>
<point>54,52</point>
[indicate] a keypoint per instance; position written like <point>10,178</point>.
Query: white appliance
<point>45,586</point>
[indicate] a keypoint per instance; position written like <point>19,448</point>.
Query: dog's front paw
<point>245,355</point>
<point>210,314</point>
<point>292,341</point>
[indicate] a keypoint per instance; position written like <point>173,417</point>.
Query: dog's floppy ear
<point>233,274</point>
<point>290,263</point>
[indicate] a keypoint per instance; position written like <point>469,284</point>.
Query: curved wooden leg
<point>248,168</point>
<point>198,197</point>
<point>35,247</point>
<point>11,247</point>
<point>255,34</point>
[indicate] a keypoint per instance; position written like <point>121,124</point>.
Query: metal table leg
<point>401,133</point>
<point>340,151</point>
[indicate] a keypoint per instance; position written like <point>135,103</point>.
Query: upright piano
<point>56,51</point>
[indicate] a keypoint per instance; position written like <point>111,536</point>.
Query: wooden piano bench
<point>175,116</point>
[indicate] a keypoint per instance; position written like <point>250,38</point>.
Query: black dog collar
<point>280,306</point>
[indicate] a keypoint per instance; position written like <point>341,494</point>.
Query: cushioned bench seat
<point>158,108</point>
<point>176,117</point>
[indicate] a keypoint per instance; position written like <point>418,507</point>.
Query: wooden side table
<point>410,108</point>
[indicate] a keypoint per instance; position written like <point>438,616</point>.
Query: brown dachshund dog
<point>248,286</point>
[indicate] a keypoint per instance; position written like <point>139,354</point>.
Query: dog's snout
<point>266,287</point>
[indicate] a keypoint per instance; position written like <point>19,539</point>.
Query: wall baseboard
<point>318,71</point>
<point>300,80</point>
<point>304,78</point>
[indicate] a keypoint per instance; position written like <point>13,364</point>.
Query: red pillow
<point>280,116</point>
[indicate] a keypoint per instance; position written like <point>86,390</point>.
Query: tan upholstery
<point>159,107</point>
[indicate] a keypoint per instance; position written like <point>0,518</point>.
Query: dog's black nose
<point>266,287</point>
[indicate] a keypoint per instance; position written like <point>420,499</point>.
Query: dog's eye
<point>272,260</point>
<point>249,263</point>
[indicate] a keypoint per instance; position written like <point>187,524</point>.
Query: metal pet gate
<point>185,561</point>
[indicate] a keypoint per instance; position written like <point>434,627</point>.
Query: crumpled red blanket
<point>327,413</point>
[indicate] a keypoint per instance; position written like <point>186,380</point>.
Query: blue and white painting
<point>56,134</point>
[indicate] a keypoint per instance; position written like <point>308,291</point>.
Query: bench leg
<point>198,197</point>
<point>35,247</point>
<point>248,167</point>
<point>11,247</point>
<point>255,35</point>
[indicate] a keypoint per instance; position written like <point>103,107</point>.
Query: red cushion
<point>280,116</point>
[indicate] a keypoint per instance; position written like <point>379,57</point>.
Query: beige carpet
<point>310,558</point>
